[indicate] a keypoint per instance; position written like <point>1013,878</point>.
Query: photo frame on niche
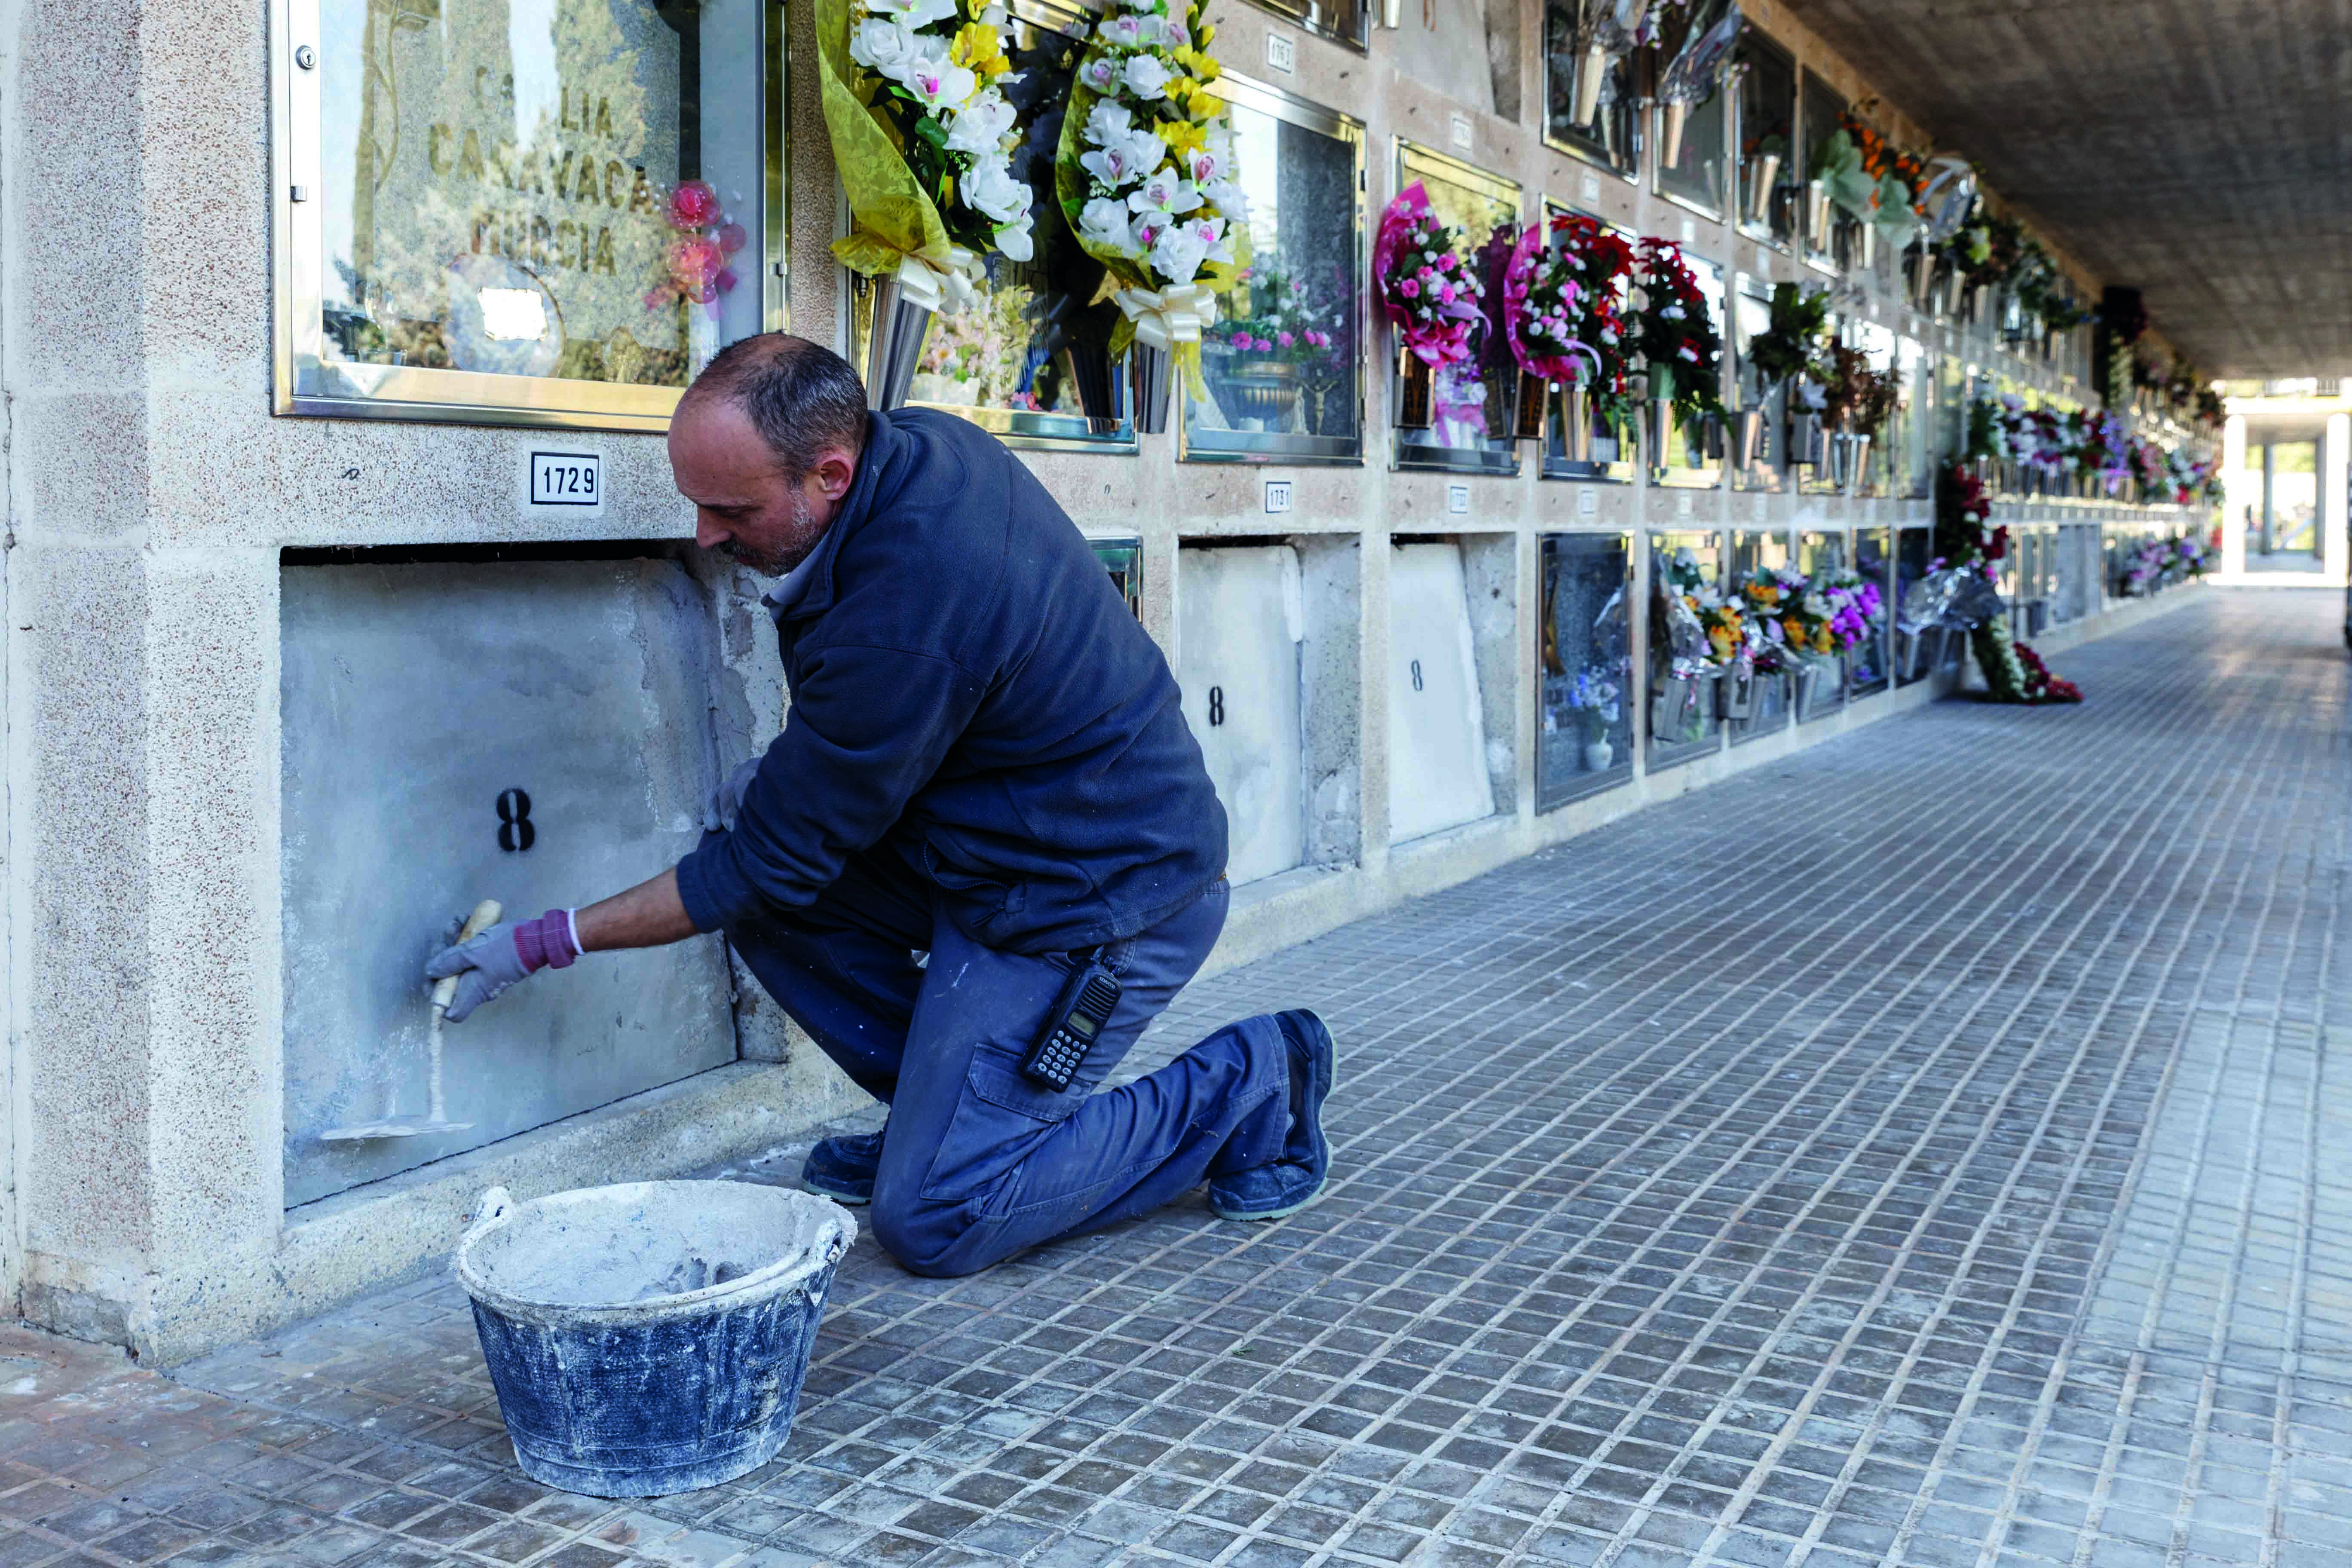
<point>1283,365</point>
<point>483,216</point>
<point>1585,668</point>
<point>1473,401</point>
<point>1030,360</point>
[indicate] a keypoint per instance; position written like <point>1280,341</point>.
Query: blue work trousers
<point>979,1161</point>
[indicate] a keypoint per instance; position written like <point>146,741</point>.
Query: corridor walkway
<point>1928,1150</point>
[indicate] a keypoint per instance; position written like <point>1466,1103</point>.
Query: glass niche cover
<point>1472,402</point>
<point>1604,132</point>
<point>1584,703</point>
<point>1612,452</point>
<point>1692,458</point>
<point>1282,366</point>
<point>1030,359</point>
<point>528,212</point>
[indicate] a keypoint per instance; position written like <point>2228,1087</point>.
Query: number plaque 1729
<point>569,479</point>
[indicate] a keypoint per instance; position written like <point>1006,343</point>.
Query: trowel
<point>436,1115</point>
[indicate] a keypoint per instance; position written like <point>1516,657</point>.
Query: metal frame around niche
<point>1289,108</point>
<point>1585,151</point>
<point>304,382</point>
<point>1618,772</point>
<point>1301,15</point>
<point>1445,166</point>
<point>1014,427</point>
<point>1784,178</point>
<point>1625,470</point>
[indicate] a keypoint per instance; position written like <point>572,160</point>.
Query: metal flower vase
<point>1658,414</point>
<point>1857,464</point>
<point>1591,72</point>
<point>1534,400</point>
<point>1149,379</point>
<point>1763,175</point>
<point>1673,118</point>
<point>1747,439</point>
<point>1807,442</point>
<point>1817,214</point>
<point>1576,423</point>
<point>1416,394</point>
<point>894,344</point>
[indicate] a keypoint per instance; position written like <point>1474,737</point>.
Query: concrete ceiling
<point>2199,152</point>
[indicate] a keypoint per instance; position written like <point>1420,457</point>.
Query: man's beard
<point>797,549</point>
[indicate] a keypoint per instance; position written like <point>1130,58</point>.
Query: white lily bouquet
<point>1145,175</point>
<point>922,135</point>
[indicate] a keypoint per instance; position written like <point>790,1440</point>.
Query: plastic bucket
<point>650,1338</point>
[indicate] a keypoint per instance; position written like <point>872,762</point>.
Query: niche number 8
<point>516,833</point>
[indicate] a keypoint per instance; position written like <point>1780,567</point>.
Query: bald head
<point>765,444</point>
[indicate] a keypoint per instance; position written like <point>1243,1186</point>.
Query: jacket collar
<point>884,447</point>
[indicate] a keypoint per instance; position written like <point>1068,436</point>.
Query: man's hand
<point>507,953</point>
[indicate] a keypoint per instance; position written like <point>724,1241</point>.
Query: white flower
<point>1100,74</point>
<point>1178,253</point>
<point>882,44</point>
<point>1145,150</point>
<point>1201,165</point>
<point>1168,191</point>
<point>1147,76</point>
<point>913,14</point>
<point>1103,221</point>
<point>1212,232</point>
<point>980,124</point>
<point>1125,159</point>
<point>1172,33</point>
<point>1110,121</point>
<point>1228,198</point>
<point>939,84</point>
<point>1126,32</point>
<point>1013,239</point>
<point>1149,225</point>
<point>990,190</point>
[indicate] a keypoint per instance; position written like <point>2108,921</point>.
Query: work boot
<point>842,1168</point>
<point>1296,1179</point>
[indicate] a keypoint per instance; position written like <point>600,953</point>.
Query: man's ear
<point>835,472</point>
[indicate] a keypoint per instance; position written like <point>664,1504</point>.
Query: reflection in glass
<point>1768,714</point>
<point>1867,665</point>
<point>1345,19</point>
<point>1031,357</point>
<point>1474,398</point>
<point>1875,344</point>
<point>1282,363</point>
<point>1584,704</point>
<point>1608,137</point>
<point>1821,682</point>
<point>1697,177</point>
<point>1680,720</point>
<point>1768,153</point>
<point>511,189</point>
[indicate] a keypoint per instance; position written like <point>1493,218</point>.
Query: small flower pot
<point>1416,394</point>
<point>1598,755</point>
<point>1534,393</point>
<point>1264,390</point>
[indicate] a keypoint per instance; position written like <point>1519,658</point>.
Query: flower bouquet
<point>1593,700</point>
<point>1541,310</point>
<point>1790,348</point>
<point>1431,296</point>
<point>1678,341</point>
<point>1968,547</point>
<point>1253,360</point>
<point>921,135</point>
<point>1687,646</point>
<point>1145,176</point>
<point>1600,264</point>
<point>1857,401</point>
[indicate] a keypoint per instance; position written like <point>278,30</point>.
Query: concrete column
<point>2235,496</point>
<point>2334,493</point>
<point>2269,497</point>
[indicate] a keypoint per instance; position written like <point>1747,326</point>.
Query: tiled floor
<point>1915,1151</point>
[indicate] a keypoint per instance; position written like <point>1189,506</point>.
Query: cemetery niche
<point>1868,664</point>
<point>1685,575</point>
<point>1591,101</point>
<point>1612,452</point>
<point>1584,701</point>
<point>1822,682</point>
<point>539,212</point>
<point>1029,360</point>
<point>1238,635</point>
<point>460,731</point>
<point>1282,366</point>
<point>1438,777</point>
<point>1754,553</point>
<point>1473,400</point>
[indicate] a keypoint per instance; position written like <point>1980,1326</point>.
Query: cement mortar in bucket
<point>650,1338</point>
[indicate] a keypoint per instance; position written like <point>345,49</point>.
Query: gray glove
<point>508,952</point>
<point>727,801</point>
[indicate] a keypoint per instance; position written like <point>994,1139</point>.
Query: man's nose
<point>710,533</point>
